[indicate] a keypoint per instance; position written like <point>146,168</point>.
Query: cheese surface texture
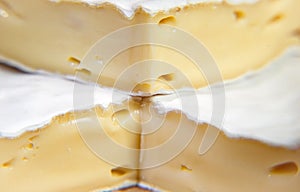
<point>229,165</point>
<point>153,116</point>
<point>56,158</point>
<point>72,29</point>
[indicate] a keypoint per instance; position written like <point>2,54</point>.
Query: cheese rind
<point>129,7</point>
<point>35,99</point>
<point>39,98</point>
<point>261,105</point>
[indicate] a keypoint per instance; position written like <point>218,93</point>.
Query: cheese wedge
<point>56,158</point>
<point>134,142</point>
<point>57,37</point>
<point>229,165</point>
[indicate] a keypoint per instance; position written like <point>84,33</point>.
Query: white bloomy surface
<point>29,101</point>
<point>262,105</point>
<point>128,7</point>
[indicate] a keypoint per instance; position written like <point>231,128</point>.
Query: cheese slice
<point>56,158</point>
<point>229,165</point>
<point>65,30</point>
<point>203,158</point>
<point>44,148</point>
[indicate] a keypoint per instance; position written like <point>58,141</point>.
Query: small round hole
<point>73,61</point>
<point>238,14</point>
<point>276,18</point>
<point>29,146</point>
<point>177,9</point>
<point>287,168</point>
<point>8,164</point>
<point>118,171</point>
<point>169,20</point>
<point>185,168</point>
<point>167,77</point>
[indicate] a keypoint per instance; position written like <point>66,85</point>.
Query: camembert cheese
<point>63,133</point>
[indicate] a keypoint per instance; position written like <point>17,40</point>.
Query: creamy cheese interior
<point>56,158</point>
<point>231,33</point>
<point>230,165</point>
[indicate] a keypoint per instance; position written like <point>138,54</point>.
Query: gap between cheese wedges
<point>262,105</point>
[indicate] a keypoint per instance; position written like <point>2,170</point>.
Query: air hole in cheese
<point>119,171</point>
<point>287,168</point>
<point>8,164</point>
<point>167,77</point>
<point>185,168</point>
<point>73,61</point>
<point>238,14</point>
<point>276,18</point>
<point>169,20</point>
